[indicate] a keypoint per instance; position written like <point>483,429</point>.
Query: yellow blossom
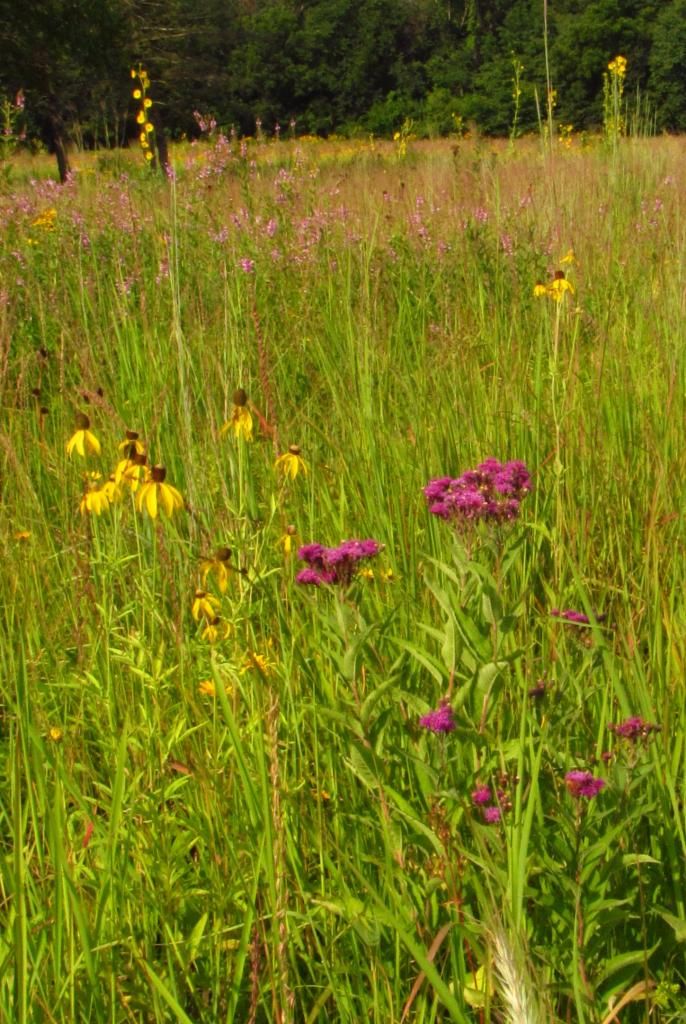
<point>137,94</point>
<point>287,540</point>
<point>82,439</point>
<point>618,66</point>
<point>149,127</point>
<point>46,219</point>
<point>217,566</point>
<point>155,492</point>
<point>96,500</point>
<point>147,103</point>
<point>207,688</point>
<point>261,662</point>
<point>148,155</point>
<point>22,535</point>
<point>216,629</point>
<point>140,117</point>
<point>55,734</point>
<point>134,73</point>
<point>133,470</point>
<point>560,286</point>
<point>540,289</point>
<point>240,424</point>
<point>205,606</point>
<point>291,463</point>
<point>568,258</point>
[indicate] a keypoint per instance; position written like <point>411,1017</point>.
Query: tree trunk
<point>59,148</point>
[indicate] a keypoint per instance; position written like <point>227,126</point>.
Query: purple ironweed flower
<point>492,492</point>
<point>481,796</point>
<point>492,815</point>
<point>583,784</point>
<point>334,565</point>
<point>633,728</point>
<point>440,720</point>
<point>568,615</point>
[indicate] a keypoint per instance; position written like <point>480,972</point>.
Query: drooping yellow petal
<point>151,500</point>
<point>92,441</point>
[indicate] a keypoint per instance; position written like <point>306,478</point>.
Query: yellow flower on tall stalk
<point>287,541</point>
<point>205,606</point>
<point>240,424</point>
<point>133,470</point>
<point>260,662</point>
<point>555,289</point>
<point>97,499</point>
<point>291,463</point>
<point>618,66</point>
<point>155,493</point>
<point>216,629</point>
<point>217,566</point>
<point>83,440</point>
<point>132,439</point>
<point>207,688</point>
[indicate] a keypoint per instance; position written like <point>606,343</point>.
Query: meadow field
<point>343,623</point>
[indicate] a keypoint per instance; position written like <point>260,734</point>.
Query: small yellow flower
<point>95,500</point>
<point>133,441</point>
<point>143,138</point>
<point>82,439</point>
<point>568,258</point>
<point>207,688</point>
<point>261,662</point>
<point>147,103</point>
<point>217,566</point>
<point>149,127</point>
<point>155,492</point>
<point>137,94</point>
<point>148,155</point>
<point>618,66</point>
<point>540,289</point>
<point>205,606</point>
<point>140,117</point>
<point>291,463</point>
<point>55,734</point>
<point>46,219</point>
<point>133,470</point>
<point>134,73</point>
<point>366,574</point>
<point>22,535</point>
<point>216,629</point>
<point>240,424</point>
<point>287,540</point>
<point>560,286</point>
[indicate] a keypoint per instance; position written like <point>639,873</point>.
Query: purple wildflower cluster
<point>578,618</point>
<point>492,811</point>
<point>492,492</point>
<point>583,784</point>
<point>633,729</point>
<point>440,720</point>
<point>334,565</point>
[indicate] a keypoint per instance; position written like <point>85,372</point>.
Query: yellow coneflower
<point>291,463</point>
<point>261,662</point>
<point>288,540</point>
<point>205,606</point>
<point>560,286</point>
<point>216,629</point>
<point>240,424</point>
<point>94,500</point>
<point>568,258</point>
<point>82,439</point>
<point>217,566</point>
<point>540,289</point>
<point>133,470</point>
<point>155,493</point>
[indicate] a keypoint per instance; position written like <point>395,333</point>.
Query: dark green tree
<point>667,63</point>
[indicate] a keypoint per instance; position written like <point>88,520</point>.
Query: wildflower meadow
<point>343,623</point>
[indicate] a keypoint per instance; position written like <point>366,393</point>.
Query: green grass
<point>298,847</point>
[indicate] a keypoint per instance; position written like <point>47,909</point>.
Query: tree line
<point>344,66</point>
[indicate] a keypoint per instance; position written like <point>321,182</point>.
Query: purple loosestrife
<point>334,565</point>
<point>491,493</point>
<point>583,784</point>
<point>440,720</point>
